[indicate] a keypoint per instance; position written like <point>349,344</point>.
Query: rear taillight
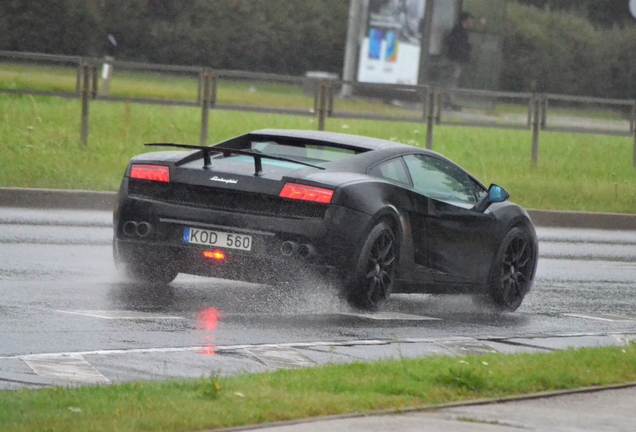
<point>158,173</point>
<point>306,193</point>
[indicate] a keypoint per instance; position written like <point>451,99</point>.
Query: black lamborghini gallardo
<point>376,216</point>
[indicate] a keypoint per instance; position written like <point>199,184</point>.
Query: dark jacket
<point>458,46</point>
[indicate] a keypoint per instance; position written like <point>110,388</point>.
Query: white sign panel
<point>390,52</point>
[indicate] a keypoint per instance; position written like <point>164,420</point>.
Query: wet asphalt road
<point>68,317</point>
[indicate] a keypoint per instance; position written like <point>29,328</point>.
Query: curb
<point>57,199</point>
<point>431,408</point>
<point>105,201</point>
<point>571,219</point>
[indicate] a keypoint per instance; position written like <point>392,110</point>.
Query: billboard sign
<point>390,50</point>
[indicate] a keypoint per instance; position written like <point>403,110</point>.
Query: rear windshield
<point>309,153</point>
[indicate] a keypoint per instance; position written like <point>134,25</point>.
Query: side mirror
<point>496,194</point>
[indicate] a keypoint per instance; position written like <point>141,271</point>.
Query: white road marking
<point>601,317</point>
<point>119,314</point>
<point>390,316</point>
<point>281,357</point>
<point>71,367</point>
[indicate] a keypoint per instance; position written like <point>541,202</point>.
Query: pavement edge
<point>431,408</point>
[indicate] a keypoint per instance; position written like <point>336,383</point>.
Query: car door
<point>459,239</point>
<point>414,260</point>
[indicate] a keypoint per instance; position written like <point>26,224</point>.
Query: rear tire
<point>374,275</point>
<point>512,271</point>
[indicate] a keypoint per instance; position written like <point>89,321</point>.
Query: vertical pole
<point>424,96</point>
<point>85,95</point>
<point>536,124</point>
<point>425,42</point>
<point>634,162</point>
<point>632,129</point>
<point>94,82</point>
<point>351,48</point>
<point>438,107</point>
<point>78,81</point>
<point>200,87</point>
<point>322,105</point>
<point>214,83</point>
<point>330,91</point>
<point>205,107</point>
<point>430,117</point>
<point>316,86</point>
<point>544,110</point>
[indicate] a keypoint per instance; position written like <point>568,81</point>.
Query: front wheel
<point>512,271</point>
<point>374,276</point>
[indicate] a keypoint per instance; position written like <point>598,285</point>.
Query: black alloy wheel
<point>513,271</point>
<point>375,274</point>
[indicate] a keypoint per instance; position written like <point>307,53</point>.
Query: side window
<point>439,179</point>
<point>393,170</point>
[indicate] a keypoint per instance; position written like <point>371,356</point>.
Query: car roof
<point>362,142</point>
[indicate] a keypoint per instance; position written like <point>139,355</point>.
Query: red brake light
<point>157,173</point>
<point>306,193</point>
<point>214,254</point>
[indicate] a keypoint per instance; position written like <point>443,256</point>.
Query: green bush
<point>562,52</point>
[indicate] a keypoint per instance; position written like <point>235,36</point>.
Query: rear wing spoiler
<point>207,163</point>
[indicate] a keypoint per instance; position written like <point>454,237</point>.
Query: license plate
<point>217,238</point>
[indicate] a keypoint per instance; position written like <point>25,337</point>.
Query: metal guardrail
<point>424,104</point>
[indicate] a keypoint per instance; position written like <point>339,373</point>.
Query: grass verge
<point>214,402</point>
<point>39,142</point>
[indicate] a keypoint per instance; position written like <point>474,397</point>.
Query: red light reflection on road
<point>207,321</point>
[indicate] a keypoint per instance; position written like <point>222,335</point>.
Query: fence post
<point>438,107</point>
<point>536,125</point>
<point>316,86</point>
<point>78,81</point>
<point>430,117</point>
<point>424,96</point>
<point>85,95</point>
<point>94,82</point>
<point>632,129</point>
<point>544,111</point>
<point>205,106</point>
<point>214,84</point>
<point>322,104</point>
<point>200,87</point>
<point>634,162</point>
<point>330,91</point>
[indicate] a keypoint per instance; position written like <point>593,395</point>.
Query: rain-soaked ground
<point>68,317</point>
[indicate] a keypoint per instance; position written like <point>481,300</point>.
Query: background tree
<point>606,13</point>
<point>52,26</point>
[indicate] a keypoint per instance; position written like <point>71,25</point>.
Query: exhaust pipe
<point>289,248</point>
<point>306,251</point>
<point>143,229</point>
<point>129,228</point>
